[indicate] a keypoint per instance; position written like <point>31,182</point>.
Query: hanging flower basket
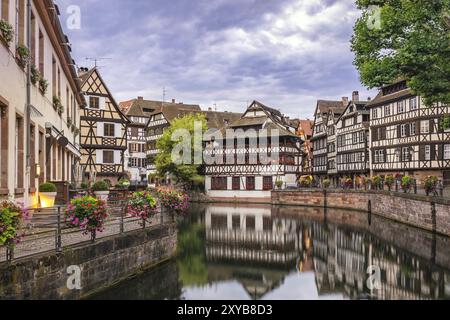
<point>12,218</point>
<point>6,32</point>
<point>430,184</point>
<point>22,56</point>
<point>406,183</point>
<point>142,205</point>
<point>87,213</point>
<point>175,201</point>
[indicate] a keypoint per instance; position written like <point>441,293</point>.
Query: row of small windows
<point>351,139</point>
<point>396,108</point>
<point>405,154</point>
<point>404,130</point>
<point>221,183</point>
<point>137,163</point>
<point>356,157</point>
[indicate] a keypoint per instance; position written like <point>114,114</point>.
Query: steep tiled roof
<point>324,106</point>
<point>306,127</point>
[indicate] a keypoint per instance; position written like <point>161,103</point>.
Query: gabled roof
<point>392,92</point>
<point>325,106</point>
<point>360,106</point>
<point>84,76</point>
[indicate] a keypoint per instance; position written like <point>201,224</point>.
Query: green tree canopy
<point>180,131</point>
<point>410,41</point>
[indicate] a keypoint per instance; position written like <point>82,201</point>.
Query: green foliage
<point>11,218</point>
<point>279,184</point>
<point>100,186</point>
<point>430,183</point>
<point>43,85</point>
<point>413,43</point>
<point>326,183</point>
<point>142,205</point>
<point>406,183</point>
<point>377,180</point>
<point>6,31</point>
<point>35,74</point>
<point>123,184</point>
<point>23,55</point>
<point>47,187</point>
<point>389,180</point>
<point>183,173</point>
<point>445,122</point>
<point>87,213</point>
<point>84,185</point>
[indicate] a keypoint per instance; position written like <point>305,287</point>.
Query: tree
<point>182,132</point>
<point>412,42</point>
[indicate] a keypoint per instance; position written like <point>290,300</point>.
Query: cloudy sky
<point>223,53</point>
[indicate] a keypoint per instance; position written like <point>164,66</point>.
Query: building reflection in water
<point>265,252</point>
<point>261,246</point>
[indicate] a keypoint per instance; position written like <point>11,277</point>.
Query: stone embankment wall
<point>102,264</point>
<point>419,211</point>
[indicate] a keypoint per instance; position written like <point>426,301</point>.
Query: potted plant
<point>174,200</point>
<point>378,182</point>
<point>88,213</point>
<point>406,183</point>
<point>12,218</point>
<point>306,181</point>
<point>47,194</point>
<point>101,190</point>
<point>348,183</point>
<point>326,183</point>
<point>430,184</point>
<point>142,205</point>
<point>56,102</point>
<point>22,55</point>
<point>279,184</point>
<point>35,74</point>
<point>389,181</point>
<point>123,184</point>
<point>43,85</point>
<point>6,32</point>
<point>84,185</point>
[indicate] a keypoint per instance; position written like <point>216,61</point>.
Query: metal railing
<point>48,231</point>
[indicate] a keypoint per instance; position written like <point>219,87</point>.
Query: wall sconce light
<point>38,170</point>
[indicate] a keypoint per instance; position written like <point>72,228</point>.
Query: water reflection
<point>262,252</point>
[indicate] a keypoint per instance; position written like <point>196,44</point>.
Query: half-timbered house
<point>324,137</point>
<point>138,112</point>
<point>352,129</point>
<point>241,170</point>
<point>304,131</point>
<point>103,136</point>
<point>46,125</point>
<point>407,136</point>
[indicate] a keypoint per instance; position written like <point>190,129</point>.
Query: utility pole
<point>28,113</point>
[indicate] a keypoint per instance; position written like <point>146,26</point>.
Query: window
<point>54,79</point>
<point>108,129</point>
<point>412,129</point>
<point>349,122</point>
<point>375,113</point>
<point>413,104</point>
<point>4,9</point>
<point>4,147</point>
<point>387,111</point>
<point>33,38</point>
<point>236,222</point>
<point>424,126</point>
<point>400,107</point>
<point>362,136</point>
<point>427,153</point>
<point>403,130</point>
<point>447,152</point>
<point>219,183</point>
<point>94,102</point>
<point>250,223</point>
<point>354,138</point>
<point>250,183</point>
<point>20,22</point>
<point>379,156</point>
<point>405,154</point>
<point>108,157</point>
<point>267,183</point>
<point>41,53</point>
<point>236,183</point>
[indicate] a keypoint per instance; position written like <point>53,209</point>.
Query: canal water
<point>263,252</point>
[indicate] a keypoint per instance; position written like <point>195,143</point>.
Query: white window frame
<point>424,126</point>
<point>400,106</point>
<point>413,104</point>
<point>402,130</point>
<point>375,113</point>
<point>446,151</point>
<point>387,110</point>
<point>405,154</point>
<point>412,129</point>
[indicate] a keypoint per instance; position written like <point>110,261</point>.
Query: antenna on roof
<point>164,94</point>
<point>96,60</point>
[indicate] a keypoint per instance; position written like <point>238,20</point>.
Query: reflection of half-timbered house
<point>263,150</point>
<point>407,136</point>
<point>324,137</point>
<point>352,131</point>
<point>103,130</point>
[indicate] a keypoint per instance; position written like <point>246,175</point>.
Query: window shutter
<point>399,131</point>
<point>433,152</point>
<point>100,129</point>
<point>441,152</point>
<point>422,153</point>
<point>408,129</point>
<point>431,126</point>
<point>383,133</point>
<point>374,134</point>
<point>418,127</point>
<point>384,155</point>
<point>100,156</point>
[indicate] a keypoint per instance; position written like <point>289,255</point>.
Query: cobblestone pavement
<point>40,239</point>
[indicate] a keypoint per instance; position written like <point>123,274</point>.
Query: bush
<point>47,187</point>
<point>123,184</point>
<point>100,186</point>
<point>84,185</point>
<point>87,213</point>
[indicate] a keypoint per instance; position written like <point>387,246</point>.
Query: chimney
<point>140,98</point>
<point>345,101</point>
<point>355,96</point>
<point>173,101</point>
